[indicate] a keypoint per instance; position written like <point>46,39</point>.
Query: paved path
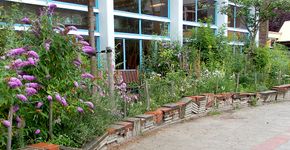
<point>261,128</point>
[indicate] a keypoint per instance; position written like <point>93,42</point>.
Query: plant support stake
<point>147,96</point>
<point>10,118</point>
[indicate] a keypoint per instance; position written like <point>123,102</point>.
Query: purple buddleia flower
<point>51,8</point>
<point>72,28</point>
<point>15,108</point>
<point>28,77</point>
<point>16,52</point>
<point>76,84</point>
<point>33,54</point>
<point>77,62</point>
<point>39,104</point>
<point>58,97</point>
<point>32,85</point>
<point>17,63</point>
<point>6,123</point>
<point>87,75</point>
<point>21,97</point>
<point>14,82</point>
<point>84,43</point>
<point>30,91</point>
<point>37,132</point>
<point>89,50</point>
<point>79,37</point>
<point>25,20</point>
<point>49,98</point>
<point>32,61</point>
<point>18,119</point>
<point>80,110</point>
<point>90,104</point>
<point>64,102</point>
<point>47,45</point>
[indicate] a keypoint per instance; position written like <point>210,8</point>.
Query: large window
<point>148,7</point>
<point>128,53</point>
<point>126,5</point>
<point>127,25</point>
<point>154,27</point>
<point>155,7</point>
<point>200,11</point>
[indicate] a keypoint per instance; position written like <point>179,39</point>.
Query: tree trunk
<point>92,40</point>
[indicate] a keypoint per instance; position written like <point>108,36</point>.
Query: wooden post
<point>92,40</point>
<point>125,109</point>
<point>147,96</point>
<point>50,120</point>
<point>111,68</point>
<point>10,119</point>
<point>238,81</point>
<point>256,80</point>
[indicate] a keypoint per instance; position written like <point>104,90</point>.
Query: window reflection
<point>188,31</point>
<point>155,7</point>
<point>119,54</point>
<point>128,25</point>
<point>73,18</point>
<point>231,15</point>
<point>81,2</point>
<point>132,54</point>
<point>126,5</point>
<point>237,36</point>
<point>154,27</point>
<point>206,10</point>
<point>240,21</point>
<point>189,13</point>
<point>234,20</point>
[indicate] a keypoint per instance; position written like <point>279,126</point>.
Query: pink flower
<point>89,50</point>
<point>79,37</point>
<point>80,110</point>
<point>64,102</point>
<point>76,84</point>
<point>37,132</point>
<point>90,104</point>
<point>73,28</point>
<point>33,54</point>
<point>15,108</point>
<point>38,105</point>
<point>30,91</point>
<point>25,20</point>
<point>17,51</point>
<point>58,97</point>
<point>77,62</point>
<point>51,8</point>
<point>21,97</point>
<point>28,77</point>
<point>49,98</point>
<point>84,43</point>
<point>14,82</point>
<point>18,119</point>
<point>47,45</point>
<point>6,123</point>
<point>32,85</point>
<point>32,61</point>
<point>88,75</point>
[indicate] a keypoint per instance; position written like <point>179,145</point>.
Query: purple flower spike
<point>58,97</point>
<point>47,45</point>
<point>49,98</point>
<point>21,97</point>
<point>77,62</point>
<point>84,43</point>
<point>90,104</point>
<point>32,85</point>
<point>28,77</point>
<point>51,8</point>
<point>6,123</point>
<point>37,132</point>
<point>89,50</point>
<point>88,75</point>
<point>32,61</point>
<point>73,28</point>
<point>64,102</point>
<point>15,52</point>
<point>76,84</point>
<point>80,110</point>
<point>38,105</point>
<point>15,108</point>
<point>18,119</point>
<point>14,82</point>
<point>33,54</point>
<point>79,37</point>
<point>30,91</point>
<point>25,20</point>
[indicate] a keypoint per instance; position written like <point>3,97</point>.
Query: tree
<point>254,12</point>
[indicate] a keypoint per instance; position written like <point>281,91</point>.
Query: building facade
<point>130,26</point>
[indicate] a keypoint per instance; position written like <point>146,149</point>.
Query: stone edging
<point>185,109</point>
